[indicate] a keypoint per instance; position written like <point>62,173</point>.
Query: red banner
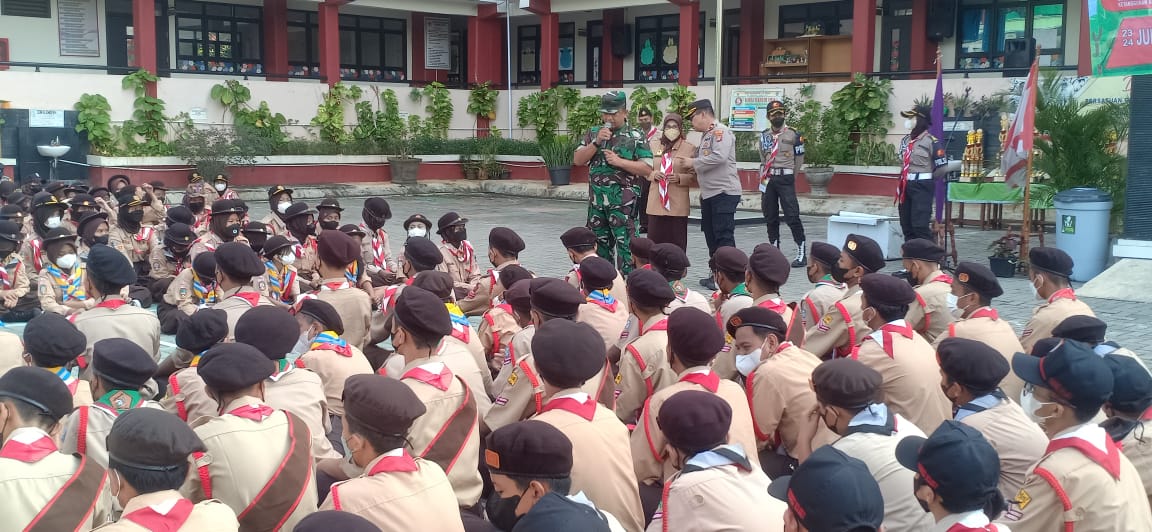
<point>1133,44</point>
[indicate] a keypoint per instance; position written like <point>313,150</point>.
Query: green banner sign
<point>1120,36</point>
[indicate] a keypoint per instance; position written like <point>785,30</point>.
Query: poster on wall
<point>1120,33</point>
<point>437,43</point>
<point>747,107</point>
<point>79,28</point>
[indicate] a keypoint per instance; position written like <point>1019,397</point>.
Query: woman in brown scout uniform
<point>668,201</point>
<point>61,282</point>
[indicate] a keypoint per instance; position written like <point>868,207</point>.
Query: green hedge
<point>420,146</point>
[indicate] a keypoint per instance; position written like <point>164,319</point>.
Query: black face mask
<point>231,230</point>
<point>776,122</point>
<point>502,511</point>
<point>178,251</point>
<point>372,221</point>
<point>330,225</point>
<point>310,229</point>
<point>196,208</point>
<point>838,272</point>
<point>102,239</point>
<point>134,217</point>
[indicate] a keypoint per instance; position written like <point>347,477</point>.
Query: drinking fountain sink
<point>53,151</point>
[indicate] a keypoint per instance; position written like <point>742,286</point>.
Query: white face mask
<point>954,306</point>
<point>66,261</point>
<point>1030,405</point>
<point>282,207</point>
<point>116,506</point>
<point>909,124</point>
<point>303,344</point>
<point>748,362</point>
<point>288,259</point>
<point>1035,290</point>
<point>220,187</point>
<point>415,231</point>
<point>52,223</point>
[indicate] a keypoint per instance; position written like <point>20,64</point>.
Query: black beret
<point>883,289</point>
<point>597,273</point>
<point>421,312</point>
<point>758,317</point>
<point>272,191</point>
<point>670,258</point>
<point>422,253</point>
<point>728,259</point>
<point>337,249</point>
<point>1132,384</point>
<point>846,383</point>
<point>382,404</point>
<point>238,261</point>
<point>298,209</point>
<point>1082,328</point>
<point>205,265</point>
<point>1051,260</point>
<point>151,439</point>
<point>39,388</point>
<point>505,239</point>
<point>531,448</point>
<point>556,298</point>
<point>768,263</point>
<point>693,336</point>
<point>353,230</point>
<point>177,233</point>
<point>978,278</point>
<point>973,364</point>
<point>922,249</point>
<point>448,220</point>
<point>52,340</point>
<point>695,420</point>
<point>519,295</point>
<point>417,218</point>
<point>578,236</point>
<point>641,247</point>
<point>122,363</point>
<point>203,329</point>
<point>329,520</point>
<point>179,213</point>
<point>649,289</point>
<point>275,244</point>
<point>330,203</point>
<point>323,312</point>
<point>511,273</point>
<point>256,328</point>
<point>234,366</point>
<point>567,353</point>
<point>110,266</point>
<point>227,206</point>
<point>865,251</point>
<point>379,207</point>
<point>438,282</point>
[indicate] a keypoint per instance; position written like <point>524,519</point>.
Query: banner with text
<point>1120,36</point>
<point>747,108</point>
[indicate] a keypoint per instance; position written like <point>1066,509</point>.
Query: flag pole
<point>1026,225</point>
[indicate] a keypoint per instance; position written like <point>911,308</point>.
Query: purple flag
<point>937,130</point>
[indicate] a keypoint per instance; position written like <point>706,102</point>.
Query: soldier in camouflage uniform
<point>618,158</point>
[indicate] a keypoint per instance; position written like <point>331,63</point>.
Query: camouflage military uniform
<point>613,194</point>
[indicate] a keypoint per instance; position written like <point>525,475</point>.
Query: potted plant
<point>557,154</point>
<point>1005,255</point>
<point>470,166</point>
<point>404,165</point>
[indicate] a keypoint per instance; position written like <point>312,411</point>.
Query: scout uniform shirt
<point>460,263</point>
<point>168,510</point>
<point>1060,305</point>
<point>32,252</point>
<point>974,520</point>
<point>375,249</point>
<point>300,392</point>
<point>911,374</point>
<point>930,315</point>
<point>352,304</point>
<point>619,288</point>
<point>283,285</point>
<point>715,162</point>
<point>207,242</point>
<point>1083,483</point>
<point>42,489</point>
<point>116,318</point>
<point>1017,439</point>
<point>236,302</point>
<point>306,257</point>
<point>605,314</point>
<point>54,287</point>
<point>820,300</point>
<point>648,440</point>
<point>1137,446</point>
<point>154,212</point>
<point>726,306</point>
<point>841,327</point>
<point>465,337</point>
<point>780,397</point>
<point>257,459</point>
<point>601,462</point>
<point>920,155</point>
<point>497,327</point>
<point>484,291</point>
<point>163,265</point>
<point>275,225</point>
<point>399,492</point>
<point>985,325</point>
<point>719,490</point>
<point>667,198</point>
<point>334,360</point>
<point>14,278</point>
<point>779,151</point>
<point>872,437</point>
<point>686,297</point>
<point>136,246</point>
<point>448,433</point>
<point>86,428</point>
<point>462,364</point>
<point>188,293</point>
<point>187,396</point>
<point>773,302</point>
<point>644,368</point>
<point>79,388</point>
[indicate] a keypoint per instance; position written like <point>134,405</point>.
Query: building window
<point>567,52</point>
<point>373,49</point>
<point>528,64</point>
<point>303,47</point>
<point>985,28</point>
<point>26,8</point>
<point>220,38</point>
<point>658,48</point>
<point>825,18</point>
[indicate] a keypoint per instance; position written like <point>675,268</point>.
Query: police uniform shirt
<point>819,301</point>
<point>354,307</point>
<point>26,487</point>
<point>644,368</point>
<point>1017,439</point>
<point>927,153</point>
<point>235,306</point>
<point>985,325</point>
<point>930,314</point>
<point>715,162</point>
<point>333,369</point>
<point>484,290</point>
<point>834,331</point>
<point>300,392</point>
<point>205,515</point>
<point>136,246</point>
<point>781,399</point>
<point>911,374</point>
<point>788,145</point>
<point>399,498</point>
<point>130,322</point>
<point>1047,316</point>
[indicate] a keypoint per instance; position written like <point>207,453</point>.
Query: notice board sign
<point>437,43</point>
<point>79,28</point>
<point>747,108</point>
<point>1120,33</point>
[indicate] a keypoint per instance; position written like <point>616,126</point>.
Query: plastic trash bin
<point>1082,220</point>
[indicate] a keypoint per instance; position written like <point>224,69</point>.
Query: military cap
<point>381,404</point>
<point>151,439</point>
<point>846,383</point>
<point>918,111</point>
<point>379,207</point>
<point>11,231</point>
<point>60,234</point>
<point>42,389</point>
<point>1072,371</point>
<point>238,261</point>
<point>505,240</point>
<point>329,520</point>
<point>641,247</point>
<point>203,329</point>
<point>511,273</point>
<point>693,336</point>
<point>973,364</point>
<point>181,214</point>
<point>278,189</point>
<point>768,263</point>
<point>978,278</point>
<point>177,233</point>
<point>438,282</point>
<point>298,209</point>
<point>122,364</point>
<point>776,107</point>
<point>422,253</point>
<point>421,312</point>
<point>886,290</point>
<point>256,325</point>
<point>234,366</point>
<point>578,237</point>
<point>597,273</point>
<point>556,298</point>
<point>530,449</point>
<point>337,249</point>
<point>824,253</point>
<point>670,259</point>
<point>728,259</point>
<point>353,230</point>
<point>695,420</point>
<point>613,101</point>
<point>205,265</point>
<point>330,204</point>
<point>832,492</point>
<point>1051,260</point>
<point>45,199</point>
<point>449,219</point>
<point>1132,384</point>
<point>957,463</point>
<point>649,289</point>
<point>568,353</point>
<point>1082,328</point>
<point>922,249</point>
<point>110,266</point>
<point>52,340</point>
<point>698,105</point>
<point>417,218</point>
<point>759,318</point>
<point>81,200</point>
<point>865,251</point>
<point>275,244</point>
<point>224,207</point>
<point>323,312</point>
<point>519,295</point>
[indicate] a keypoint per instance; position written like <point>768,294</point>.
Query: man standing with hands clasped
<point>921,157</point>
<point>715,165</point>
<point>615,154</point>
<point>781,155</point>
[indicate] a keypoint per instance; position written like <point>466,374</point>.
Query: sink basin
<point>53,151</point>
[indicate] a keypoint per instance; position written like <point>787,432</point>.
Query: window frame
<point>669,74</point>
<point>993,28</point>
<point>527,77</point>
<point>802,13</point>
<point>567,31</point>
<point>200,61</point>
<point>361,71</point>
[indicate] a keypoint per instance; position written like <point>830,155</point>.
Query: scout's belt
<point>781,171</point>
<point>919,176</point>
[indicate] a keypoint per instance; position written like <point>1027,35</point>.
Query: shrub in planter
<point>557,154</point>
<point>1005,255</point>
<point>404,165</point>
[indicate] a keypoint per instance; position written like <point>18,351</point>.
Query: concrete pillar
<point>1084,57</point>
<point>549,57</point>
<point>751,38</point>
<point>144,34</point>
<point>486,54</point>
<point>864,35</point>
<point>611,67</point>
<point>689,45</point>
<point>329,42</point>
<point>276,40</point>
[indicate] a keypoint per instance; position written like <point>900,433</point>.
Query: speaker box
<point>941,19</point>
<point>1019,53</point>
<point>622,40</point>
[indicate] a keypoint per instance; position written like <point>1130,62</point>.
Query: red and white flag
<point>1018,140</point>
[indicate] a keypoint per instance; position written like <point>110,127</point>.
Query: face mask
<point>116,506</point>
<point>1035,290</point>
<point>417,232</point>
<point>196,208</point>
<point>103,239</point>
<point>288,259</point>
<point>330,225</point>
<point>672,134</point>
<point>66,261</point>
<point>303,344</point>
<point>220,187</point>
<point>52,222</point>
<point>953,302</point>
<point>909,124</point>
<point>864,315</point>
<point>134,217</point>
<point>1030,405</point>
<point>310,229</point>
<point>459,235</point>
<point>502,511</point>
<point>838,273</point>
<point>282,207</point>
<point>231,230</point>
<point>747,363</point>
<point>776,122</point>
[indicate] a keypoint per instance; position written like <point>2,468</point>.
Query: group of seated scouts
<point>589,403</point>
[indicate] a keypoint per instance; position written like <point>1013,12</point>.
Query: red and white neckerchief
<point>5,277</point>
<point>255,412</point>
<point>906,149</point>
<point>942,278</point>
<point>398,461</point>
<point>309,244</point>
<point>252,298</point>
<point>167,515</point>
<point>70,377</point>
<point>975,522</point>
<point>434,374</point>
<point>578,403</point>
<point>1063,293</point>
<point>111,304</point>
<point>1093,442</point>
<point>775,304</point>
<point>985,312</point>
<point>465,253</point>
<point>783,345</point>
<point>705,377</point>
<point>662,185</point>
<point>884,335</point>
<point>766,169</point>
<point>661,325</point>
<point>28,445</point>
<point>379,237</point>
<point>37,253</point>
<point>145,233</point>
<point>334,286</point>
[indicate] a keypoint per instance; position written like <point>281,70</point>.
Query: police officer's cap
<point>698,105</point>
<point>238,261</point>
<point>381,404</point>
<point>421,312</point>
<point>846,383</point>
<point>255,328</point>
<point>695,420</point>
<point>151,439</point>
<point>973,364</point>
<point>776,107</point>
<point>922,249</point>
<point>52,340</point>
<point>1050,260</point>
<point>42,389</point>
<point>122,364</point>
<point>235,366</point>
<point>555,298</point>
<point>978,278</point>
<point>649,289</point>
<point>203,329</point>
<point>597,273</point>
<point>694,336</point>
<point>768,263</point>
<point>865,251</point>
<point>529,449</point>
<point>568,353</point>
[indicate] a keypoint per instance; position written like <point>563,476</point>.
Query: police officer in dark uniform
<point>922,158</point>
<point>781,155</point>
